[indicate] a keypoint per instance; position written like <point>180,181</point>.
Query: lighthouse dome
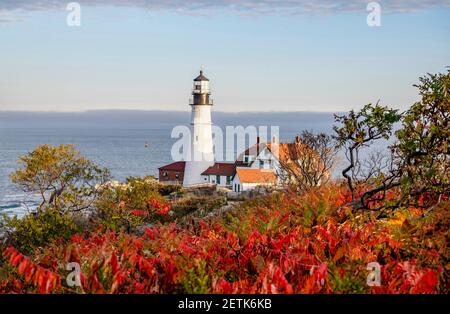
<point>201,78</point>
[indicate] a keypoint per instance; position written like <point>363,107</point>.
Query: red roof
<point>286,152</point>
<point>176,166</point>
<point>222,169</point>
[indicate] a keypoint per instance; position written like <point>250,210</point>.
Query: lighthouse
<point>201,155</point>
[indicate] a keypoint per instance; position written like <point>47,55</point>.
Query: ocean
<point>117,140</point>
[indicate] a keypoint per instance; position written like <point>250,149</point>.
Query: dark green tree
<point>423,140</point>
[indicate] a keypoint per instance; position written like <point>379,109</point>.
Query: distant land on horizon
<point>142,119</point>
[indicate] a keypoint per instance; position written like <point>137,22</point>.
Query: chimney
<point>275,149</point>
<point>258,140</point>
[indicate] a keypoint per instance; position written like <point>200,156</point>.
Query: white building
<point>220,174</point>
<point>247,179</point>
<point>259,165</point>
<point>201,155</point>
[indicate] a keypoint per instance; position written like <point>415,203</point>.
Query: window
<point>261,163</point>
<point>177,176</point>
<point>228,180</point>
<point>218,179</point>
<point>164,174</point>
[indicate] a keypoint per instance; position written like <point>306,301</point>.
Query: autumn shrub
<point>200,204</point>
<point>35,230</point>
<point>170,189</point>
<point>117,207</point>
<point>275,244</point>
<point>196,279</point>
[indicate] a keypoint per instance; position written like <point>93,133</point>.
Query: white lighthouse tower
<point>201,154</point>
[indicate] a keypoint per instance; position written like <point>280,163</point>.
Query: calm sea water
<point>122,151</point>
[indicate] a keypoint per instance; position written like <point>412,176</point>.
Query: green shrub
<point>168,189</point>
<point>113,208</point>
<point>35,230</point>
<point>192,203</point>
<point>196,279</point>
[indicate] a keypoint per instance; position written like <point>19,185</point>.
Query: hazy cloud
<point>245,7</point>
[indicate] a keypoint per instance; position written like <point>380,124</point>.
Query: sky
<point>283,55</point>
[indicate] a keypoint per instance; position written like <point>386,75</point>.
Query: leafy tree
<point>359,130</point>
<point>423,144</point>
<point>419,162</point>
<point>65,180</point>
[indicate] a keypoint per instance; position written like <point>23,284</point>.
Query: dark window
<point>164,174</point>
<point>218,179</point>
<point>261,163</point>
<point>177,176</point>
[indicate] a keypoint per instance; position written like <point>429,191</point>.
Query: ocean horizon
<point>117,139</point>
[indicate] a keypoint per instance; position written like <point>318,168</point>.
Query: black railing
<point>191,102</point>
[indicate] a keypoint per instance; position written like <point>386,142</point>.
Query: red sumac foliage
<point>282,243</point>
<point>45,280</point>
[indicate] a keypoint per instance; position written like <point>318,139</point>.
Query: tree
<point>65,180</point>
<point>308,161</point>
<point>419,162</point>
<point>376,164</point>
<point>358,130</point>
<point>424,140</point>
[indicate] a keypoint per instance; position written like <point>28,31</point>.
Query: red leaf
<point>139,212</point>
<point>15,259</point>
<point>23,266</point>
<point>114,264</point>
<point>427,283</point>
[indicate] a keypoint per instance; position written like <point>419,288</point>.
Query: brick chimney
<point>258,141</point>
